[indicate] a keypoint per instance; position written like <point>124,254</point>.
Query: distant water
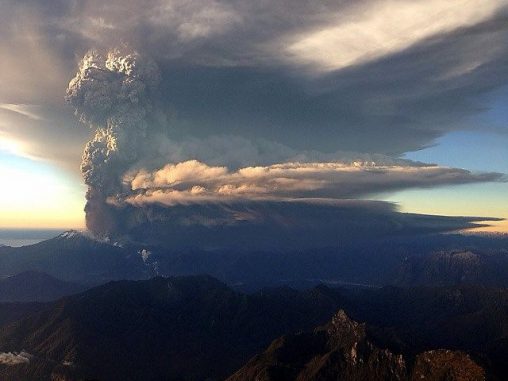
<point>23,237</point>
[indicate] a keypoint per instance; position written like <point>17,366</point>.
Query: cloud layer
<point>196,182</point>
<point>247,225</point>
<point>385,77</point>
<point>375,29</point>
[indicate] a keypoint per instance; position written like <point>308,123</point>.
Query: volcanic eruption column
<point>113,94</point>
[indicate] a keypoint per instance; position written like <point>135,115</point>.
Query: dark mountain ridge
<point>195,328</point>
<point>342,350</point>
<point>453,267</point>
<point>433,261</point>
<point>156,329</point>
<point>34,286</point>
<point>74,256</point>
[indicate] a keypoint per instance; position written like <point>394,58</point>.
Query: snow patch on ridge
<point>69,234</point>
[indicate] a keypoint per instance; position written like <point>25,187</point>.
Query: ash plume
<point>143,184</point>
<point>112,93</point>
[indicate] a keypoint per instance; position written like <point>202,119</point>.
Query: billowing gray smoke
<point>143,184</point>
<point>112,93</point>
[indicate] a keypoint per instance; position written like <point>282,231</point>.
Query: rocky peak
<point>347,335</point>
<point>342,328</point>
<point>346,353</point>
<point>444,364</point>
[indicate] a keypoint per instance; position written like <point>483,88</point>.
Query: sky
<point>205,102</point>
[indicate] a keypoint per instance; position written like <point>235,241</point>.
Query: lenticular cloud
<point>196,182</point>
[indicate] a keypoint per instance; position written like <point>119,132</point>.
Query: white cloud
<point>29,111</point>
<point>384,27</point>
<point>15,358</point>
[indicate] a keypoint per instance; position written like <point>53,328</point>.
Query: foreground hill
<point>196,328</point>
<point>176,328</point>
<point>12,312</point>
<point>342,350</point>
<point>34,286</point>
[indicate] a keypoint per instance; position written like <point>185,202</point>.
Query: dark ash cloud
<point>251,225</point>
<point>231,84</point>
<point>112,93</point>
<point>226,71</point>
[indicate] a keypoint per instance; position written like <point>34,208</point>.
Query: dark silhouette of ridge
<point>342,350</point>
<point>35,286</point>
<point>196,327</point>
